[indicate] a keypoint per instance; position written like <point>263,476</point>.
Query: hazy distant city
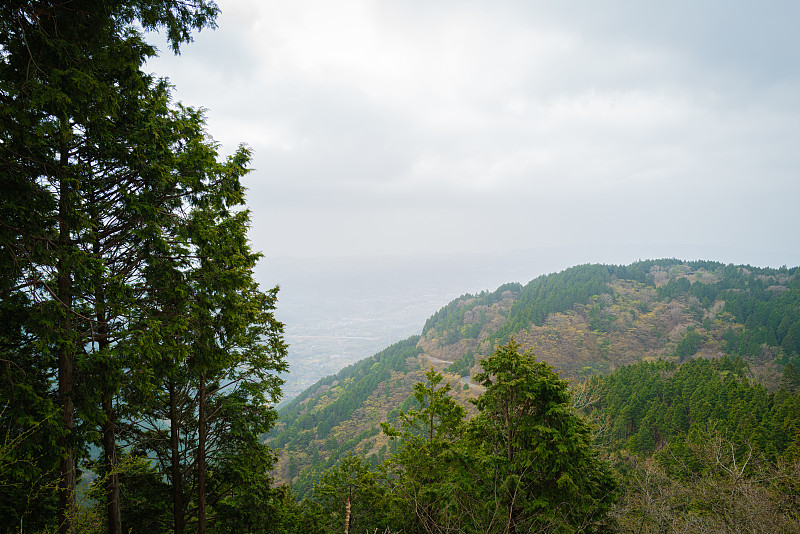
<point>340,311</point>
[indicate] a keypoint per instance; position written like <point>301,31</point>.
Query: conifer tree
<point>215,345</point>
<point>428,436</point>
<point>535,464</point>
<point>524,463</point>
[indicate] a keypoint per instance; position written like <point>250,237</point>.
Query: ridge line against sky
<point>457,127</point>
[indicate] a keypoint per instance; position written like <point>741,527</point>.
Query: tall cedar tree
<point>215,347</point>
<point>230,366</point>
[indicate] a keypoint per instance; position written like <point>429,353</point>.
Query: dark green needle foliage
<point>535,462</point>
<point>524,463</point>
<point>127,279</point>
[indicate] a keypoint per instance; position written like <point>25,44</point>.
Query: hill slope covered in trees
<point>589,322</point>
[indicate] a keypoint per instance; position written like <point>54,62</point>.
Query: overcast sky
<point>396,127</point>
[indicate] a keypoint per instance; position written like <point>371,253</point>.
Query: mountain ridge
<point>586,320</point>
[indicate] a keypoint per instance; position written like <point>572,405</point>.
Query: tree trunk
<point>65,348</point>
<point>113,511</point>
<point>177,475</point>
<point>347,517</point>
<point>201,458</point>
<point>66,486</point>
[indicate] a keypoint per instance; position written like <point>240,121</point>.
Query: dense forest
<point>140,360</point>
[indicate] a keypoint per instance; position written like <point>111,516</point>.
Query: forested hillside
<point>700,446</point>
<point>652,403</point>
<point>361,394</point>
<point>659,351</point>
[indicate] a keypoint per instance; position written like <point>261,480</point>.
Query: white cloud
<point>382,126</point>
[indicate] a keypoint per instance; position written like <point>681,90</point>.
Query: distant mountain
<point>338,311</point>
<point>586,321</point>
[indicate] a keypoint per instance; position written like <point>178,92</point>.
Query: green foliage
<point>423,461</point>
<point>688,344</point>
<point>354,484</point>
<point>534,452</point>
<point>605,311</point>
<point>28,460</point>
<point>449,323</point>
<point>641,271</point>
<point>312,419</point>
<point>770,315</point>
<point>463,365</point>
<point>675,287</point>
<point>245,500</point>
<point>356,383</point>
<point>524,463</point>
<point>127,275</point>
<point>146,495</point>
<point>766,301</point>
<point>642,408</point>
<point>599,319</point>
<point>790,379</point>
<point>654,404</point>
<point>553,293</point>
<point>707,484</point>
<point>217,360</point>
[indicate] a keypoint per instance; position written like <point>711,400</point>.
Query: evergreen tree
<point>525,463</point>
<point>533,454</point>
<point>428,435</point>
<point>352,497</point>
<point>217,350</point>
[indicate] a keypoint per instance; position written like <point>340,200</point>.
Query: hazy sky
<point>394,127</point>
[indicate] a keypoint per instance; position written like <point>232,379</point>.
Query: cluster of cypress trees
<point>136,348</point>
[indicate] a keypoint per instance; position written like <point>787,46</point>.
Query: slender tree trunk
<point>177,476</point>
<point>511,527</point>
<point>513,517</point>
<point>201,458</point>
<point>66,488</point>
<point>113,511</point>
<point>347,517</point>
<point>65,348</point>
